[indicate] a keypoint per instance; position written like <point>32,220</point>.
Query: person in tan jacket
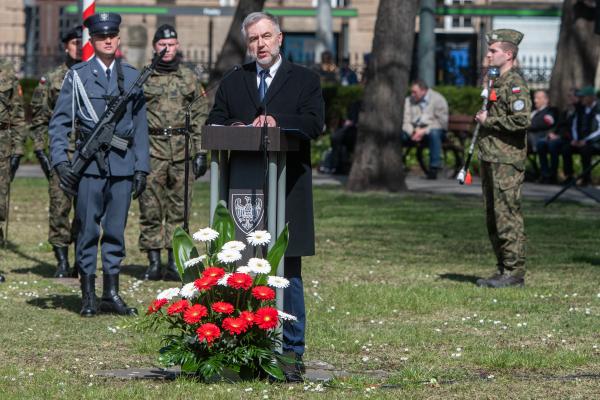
<point>425,120</point>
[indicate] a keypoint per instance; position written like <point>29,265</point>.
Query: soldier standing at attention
<point>105,189</point>
<point>12,131</point>
<point>168,91</point>
<point>502,152</point>
<point>60,233</point>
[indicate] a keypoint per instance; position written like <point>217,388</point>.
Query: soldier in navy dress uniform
<point>104,191</point>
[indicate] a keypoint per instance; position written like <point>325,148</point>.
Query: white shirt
<point>272,72</point>
<point>104,67</point>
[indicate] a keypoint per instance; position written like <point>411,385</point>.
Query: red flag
<point>468,178</point>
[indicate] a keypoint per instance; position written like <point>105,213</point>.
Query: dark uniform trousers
<point>102,202</point>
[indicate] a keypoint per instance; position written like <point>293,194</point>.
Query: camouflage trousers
<point>4,188</point>
<point>61,232</point>
<point>161,204</point>
<point>501,185</point>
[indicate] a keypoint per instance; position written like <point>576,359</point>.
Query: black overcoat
<point>294,98</point>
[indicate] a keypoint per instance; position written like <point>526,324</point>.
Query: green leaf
<point>276,254</point>
<point>183,250</point>
<point>222,223</point>
<point>273,369</point>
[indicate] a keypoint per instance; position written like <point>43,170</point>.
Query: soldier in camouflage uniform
<point>12,134</point>
<point>502,152</point>
<point>168,91</point>
<point>61,232</point>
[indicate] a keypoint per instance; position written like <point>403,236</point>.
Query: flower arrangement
<point>222,317</point>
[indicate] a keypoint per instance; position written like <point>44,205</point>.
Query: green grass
<point>389,296</point>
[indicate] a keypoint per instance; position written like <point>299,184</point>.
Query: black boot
<point>89,301</point>
<point>2,279</point>
<point>153,271</point>
<point>111,301</point>
<point>171,274</point>
<point>62,261</point>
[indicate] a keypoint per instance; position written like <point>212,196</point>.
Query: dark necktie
<point>262,86</point>
<point>108,75</point>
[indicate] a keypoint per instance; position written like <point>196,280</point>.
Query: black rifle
<point>99,141</point>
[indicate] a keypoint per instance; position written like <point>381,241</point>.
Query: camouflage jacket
<point>503,136</point>
<point>43,101</point>
<point>167,97</point>
<point>12,116</point>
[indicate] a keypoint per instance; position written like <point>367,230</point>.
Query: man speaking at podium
<point>271,90</point>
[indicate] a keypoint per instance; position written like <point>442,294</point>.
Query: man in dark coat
<point>292,98</point>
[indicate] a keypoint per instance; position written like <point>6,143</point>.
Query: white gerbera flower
<point>286,317</point>
<point>259,265</point>
<point>194,261</point>
<point>259,238</point>
<point>278,282</point>
<point>229,256</point>
<point>234,245</point>
<point>188,291</point>
<point>205,235</point>
<point>223,280</point>
<point>168,293</point>
<point>243,269</point>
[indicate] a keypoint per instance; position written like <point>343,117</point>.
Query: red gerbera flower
<point>266,318</point>
<point>205,283</point>
<point>235,325</point>
<point>238,280</point>
<point>222,307</point>
<point>156,305</point>
<point>195,313</point>
<point>178,307</point>
<point>263,293</point>
<point>213,272</point>
<point>247,316</point>
<point>208,332</point>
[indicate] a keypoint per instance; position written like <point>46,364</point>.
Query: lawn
<point>390,300</point>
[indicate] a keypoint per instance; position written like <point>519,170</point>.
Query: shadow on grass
<point>134,270</point>
<point>69,302</point>
<point>42,268</point>
<point>587,259</point>
<point>460,278</point>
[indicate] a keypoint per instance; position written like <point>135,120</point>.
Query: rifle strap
<point>120,76</point>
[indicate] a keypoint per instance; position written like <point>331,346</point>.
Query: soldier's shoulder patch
<point>515,89</point>
<point>518,105</point>
<point>43,80</point>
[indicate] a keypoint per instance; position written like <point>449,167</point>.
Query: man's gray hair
<point>254,17</point>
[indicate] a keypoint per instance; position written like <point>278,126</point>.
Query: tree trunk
<point>234,48</point>
<point>577,51</point>
<point>378,156</point>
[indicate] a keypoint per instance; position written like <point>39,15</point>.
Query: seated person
<point>584,133</point>
<point>343,140</point>
<point>542,137</point>
<point>425,120</point>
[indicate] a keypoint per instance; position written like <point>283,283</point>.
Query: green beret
<point>504,35</point>
<point>586,91</point>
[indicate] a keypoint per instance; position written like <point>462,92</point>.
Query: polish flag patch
<point>516,89</point>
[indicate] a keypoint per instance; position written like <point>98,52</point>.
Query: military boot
<point>153,271</point>
<point>89,301</point>
<point>62,261</point>
<point>111,301</point>
<point>171,274</point>
<point>501,280</point>
<point>2,279</point>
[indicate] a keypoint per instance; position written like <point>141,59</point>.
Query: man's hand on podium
<point>260,121</point>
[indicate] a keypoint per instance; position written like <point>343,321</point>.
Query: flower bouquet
<point>223,318</point>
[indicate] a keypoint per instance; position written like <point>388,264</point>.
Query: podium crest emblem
<point>248,211</point>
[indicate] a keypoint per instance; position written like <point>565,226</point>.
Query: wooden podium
<point>237,174</point>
